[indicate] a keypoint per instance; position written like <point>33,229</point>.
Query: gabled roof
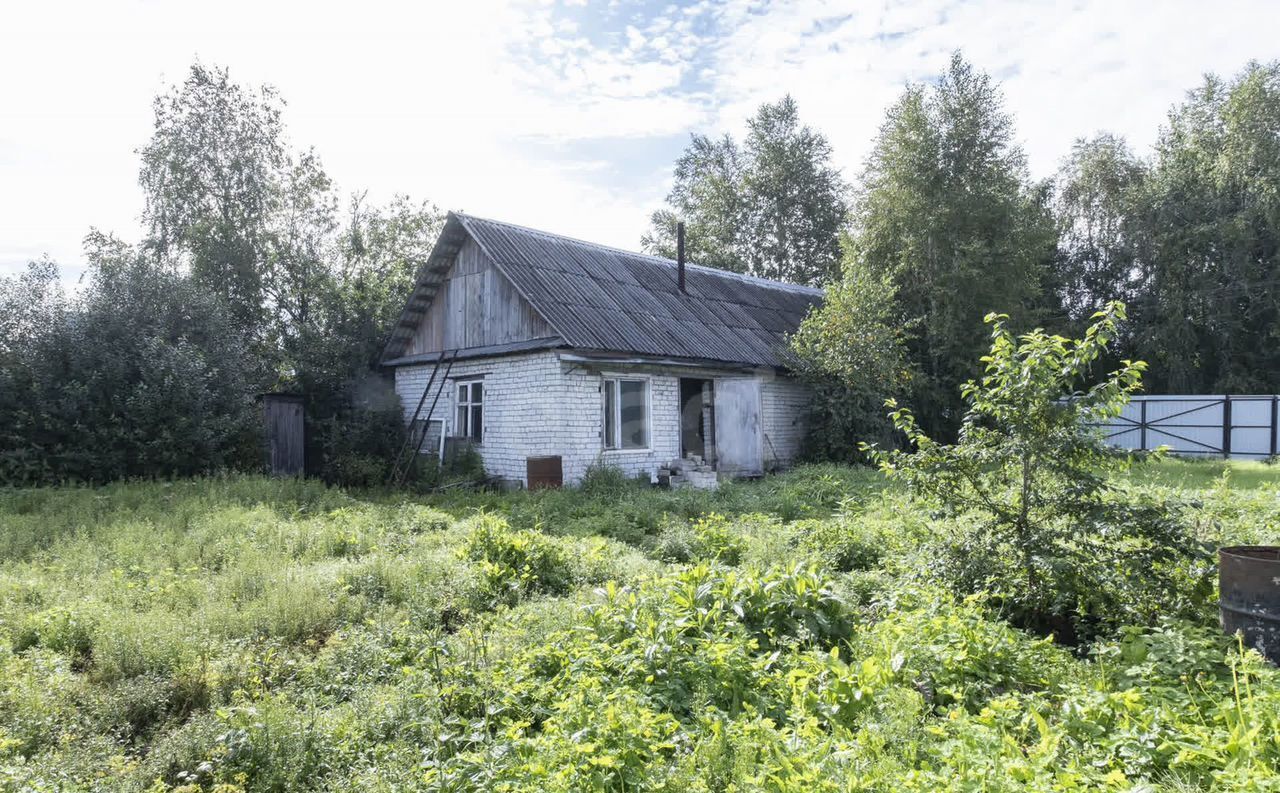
<point>601,298</point>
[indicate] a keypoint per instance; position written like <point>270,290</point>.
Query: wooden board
<point>738,439</point>
<point>282,415</point>
<point>476,306</point>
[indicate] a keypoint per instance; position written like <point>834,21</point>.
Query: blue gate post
<point>1275,413</point>
<point>1142,427</point>
<point>1226,426</point>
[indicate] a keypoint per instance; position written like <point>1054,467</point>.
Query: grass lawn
<point>243,633</point>
<point>1188,474</point>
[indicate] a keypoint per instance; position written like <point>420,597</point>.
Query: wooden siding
<point>476,306</point>
<point>282,414</point>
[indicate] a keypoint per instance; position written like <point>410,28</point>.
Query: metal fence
<point>1220,425</point>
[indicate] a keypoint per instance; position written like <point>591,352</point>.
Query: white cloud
<point>441,101</point>
<point>1067,69</point>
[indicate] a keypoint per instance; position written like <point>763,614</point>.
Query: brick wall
<point>536,405</point>
<point>785,404</point>
<point>520,417</point>
<point>581,398</point>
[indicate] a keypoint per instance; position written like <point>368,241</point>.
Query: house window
<point>470,410</point>
<point>626,413</point>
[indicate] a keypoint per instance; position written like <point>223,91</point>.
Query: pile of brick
<point>692,471</point>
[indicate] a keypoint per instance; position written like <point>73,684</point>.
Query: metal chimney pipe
<point>680,254</point>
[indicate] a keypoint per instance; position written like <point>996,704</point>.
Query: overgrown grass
<point>783,635</point>
<point>1196,474</point>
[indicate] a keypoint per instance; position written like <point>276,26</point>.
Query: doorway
<point>696,418</point>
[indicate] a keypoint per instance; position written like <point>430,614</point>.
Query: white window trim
<point>648,413</point>
<point>483,403</point>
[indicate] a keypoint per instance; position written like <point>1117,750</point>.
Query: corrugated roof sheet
<point>602,298</point>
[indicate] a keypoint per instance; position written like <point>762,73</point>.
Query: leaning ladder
<point>405,462</point>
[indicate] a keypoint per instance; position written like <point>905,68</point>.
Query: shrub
<point>1062,551</point>
<point>851,351</point>
<point>60,629</point>
<point>141,375</point>
<point>710,538</point>
<point>516,564</point>
<point>957,653</point>
<point>839,545</point>
<point>358,445</point>
<point>602,479</point>
<point>270,744</point>
<point>416,519</point>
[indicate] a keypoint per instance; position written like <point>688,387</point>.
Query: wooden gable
<point>475,306</point>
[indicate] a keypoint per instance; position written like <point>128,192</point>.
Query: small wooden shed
<point>283,425</point>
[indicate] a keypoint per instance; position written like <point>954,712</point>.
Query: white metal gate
<point>1217,425</point>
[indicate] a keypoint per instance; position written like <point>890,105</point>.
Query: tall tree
<point>257,223</point>
<point>244,281</point>
<point>1209,319</point>
<point>1097,203</point>
<point>773,207</point>
<point>211,175</point>
<point>708,197</point>
<point>375,259</point>
<point>354,417</point>
<point>947,214</point>
<point>299,270</point>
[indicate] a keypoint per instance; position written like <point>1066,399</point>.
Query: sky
<point>565,115</point>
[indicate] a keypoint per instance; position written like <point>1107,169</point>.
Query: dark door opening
<point>696,422</point>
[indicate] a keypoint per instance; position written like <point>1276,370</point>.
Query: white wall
<point>584,415</point>
<point>785,404</point>
<point>519,412</point>
<point>535,405</point>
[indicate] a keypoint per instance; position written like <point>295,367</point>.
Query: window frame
<point>469,383</point>
<point>605,379</point>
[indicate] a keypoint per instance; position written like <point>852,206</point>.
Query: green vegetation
<point>772,206</point>
<point>787,635</point>
<point>249,278</point>
<point>947,225</point>
<point>255,272</point>
<point>1060,546</point>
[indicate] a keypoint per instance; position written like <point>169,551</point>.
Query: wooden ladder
<point>405,462</point>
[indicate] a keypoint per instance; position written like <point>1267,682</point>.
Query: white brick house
<point>538,346</point>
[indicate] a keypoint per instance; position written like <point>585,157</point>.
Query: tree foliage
<point>258,223</point>
<point>946,213</point>
<point>772,207</point>
<point>1031,465</point>
<point>1097,204</point>
<point>255,283</point>
<point>853,355</point>
<point>355,419</point>
<point>1209,315</point>
<point>143,374</point>
<point>212,176</point>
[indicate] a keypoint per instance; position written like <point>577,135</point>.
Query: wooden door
<point>739,443</point>
<point>284,423</point>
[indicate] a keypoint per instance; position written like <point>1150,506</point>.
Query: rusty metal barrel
<point>1249,592</point>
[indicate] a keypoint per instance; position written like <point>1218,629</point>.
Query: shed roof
<point>601,298</point>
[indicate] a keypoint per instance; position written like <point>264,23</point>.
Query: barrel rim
<point>1257,553</point>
